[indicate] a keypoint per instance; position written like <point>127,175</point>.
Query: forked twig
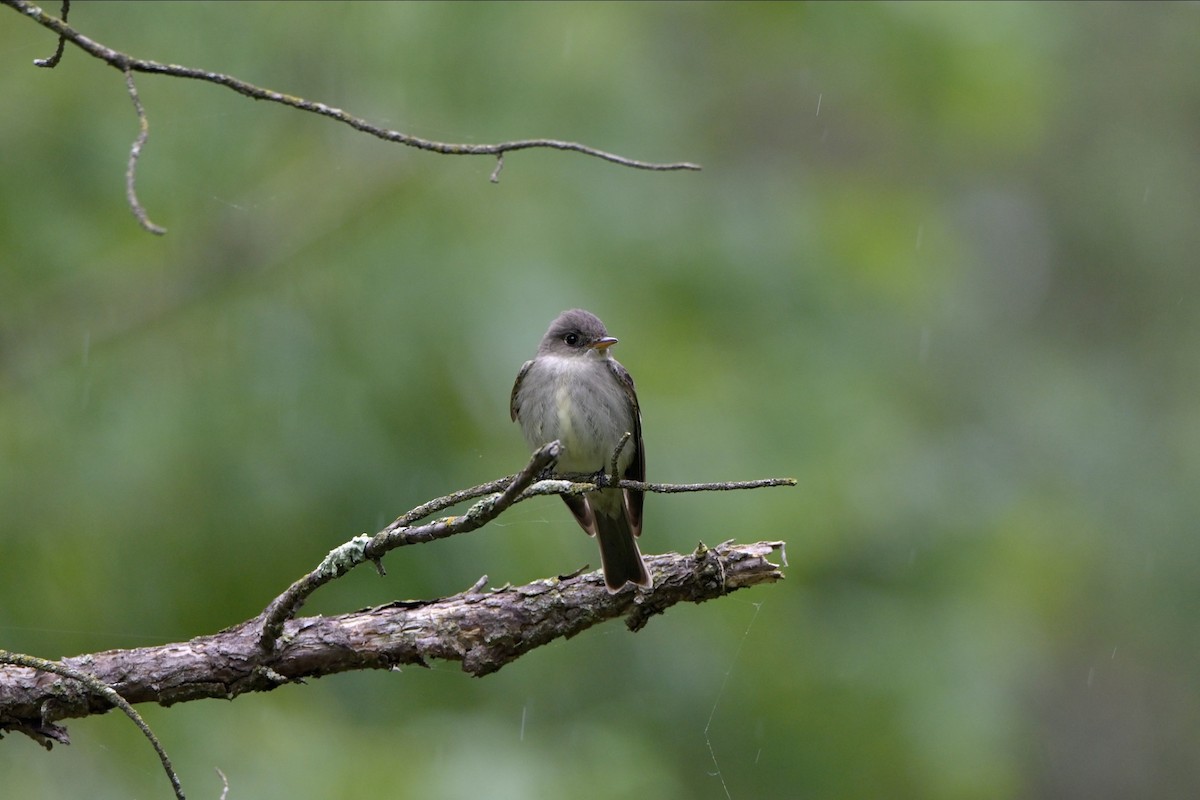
<point>371,548</point>
<point>497,496</point>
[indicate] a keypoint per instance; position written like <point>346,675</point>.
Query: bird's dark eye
<point>571,339</point>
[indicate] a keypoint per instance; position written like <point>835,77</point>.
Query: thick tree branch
<point>129,64</point>
<point>484,630</point>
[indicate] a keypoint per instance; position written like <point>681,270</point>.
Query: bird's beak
<point>603,343</point>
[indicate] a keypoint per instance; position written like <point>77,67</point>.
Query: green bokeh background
<point>941,266</point>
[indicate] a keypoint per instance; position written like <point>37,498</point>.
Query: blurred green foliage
<point>940,266</point>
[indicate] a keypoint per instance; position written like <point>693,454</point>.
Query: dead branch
<point>483,630</point>
<point>497,496</point>
<point>128,64</point>
<point>134,152</point>
<point>364,548</point>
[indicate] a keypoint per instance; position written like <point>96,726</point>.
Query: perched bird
<point>575,391</point>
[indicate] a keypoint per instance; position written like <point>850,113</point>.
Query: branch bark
<point>483,630</point>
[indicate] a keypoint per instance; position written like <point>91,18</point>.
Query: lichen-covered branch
<point>366,548</point>
<point>497,496</point>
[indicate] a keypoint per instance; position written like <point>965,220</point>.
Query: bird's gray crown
<point>573,330</point>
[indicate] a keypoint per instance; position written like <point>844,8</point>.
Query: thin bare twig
<point>612,464</point>
<point>720,486</point>
<point>122,61</point>
<point>127,64</point>
<point>579,483</point>
<point>134,152</point>
<point>454,498</point>
<point>95,686</point>
<point>52,61</point>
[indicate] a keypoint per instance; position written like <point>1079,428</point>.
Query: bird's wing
<point>583,512</point>
<point>636,471</point>
<point>513,410</point>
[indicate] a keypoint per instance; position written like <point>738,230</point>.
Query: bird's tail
<point>619,555</point>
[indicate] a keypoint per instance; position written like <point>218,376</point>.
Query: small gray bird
<point>575,391</point>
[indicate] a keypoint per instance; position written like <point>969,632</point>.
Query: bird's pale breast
<point>587,416</point>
